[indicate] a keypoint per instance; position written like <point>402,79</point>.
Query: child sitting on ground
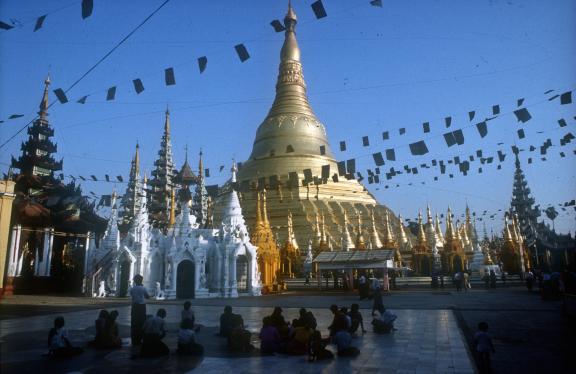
<point>58,341</point>
<point>187,340</point>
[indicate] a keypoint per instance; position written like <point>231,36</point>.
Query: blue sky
<point>368,70</point>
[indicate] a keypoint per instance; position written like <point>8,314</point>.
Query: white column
<point>48,253</point>
<point>87,255</point>
<point>14,254</point>
<point>226,265</point>
<point>36,262</point>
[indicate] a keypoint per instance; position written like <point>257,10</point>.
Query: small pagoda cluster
<point>166,188</point>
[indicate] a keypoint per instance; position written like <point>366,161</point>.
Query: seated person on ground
<point>226,321</point>
<point>187,340</point>
<point>384,323</point>
<point>188,313</point>
<point>356,318</point>
<point>317,348</point>
<point>111,338</point>
<point>299,340</point>
<point>339,322</point>
<point>154,331</point>
<point>59,345</point>
<point>100,325</point>
<point>277,320</point>
<point>269,337</point>
<point>239,338</point>
<point>343,341</point>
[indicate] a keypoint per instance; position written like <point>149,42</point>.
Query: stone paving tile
<point>413,348</point>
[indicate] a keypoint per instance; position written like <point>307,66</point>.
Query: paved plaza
<point>433,336</point>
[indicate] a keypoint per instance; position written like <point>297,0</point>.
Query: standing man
<point>138,314</point>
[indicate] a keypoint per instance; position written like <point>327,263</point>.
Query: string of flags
<point>457,137</point>
<point>87,7</point>
<point>170,79</point>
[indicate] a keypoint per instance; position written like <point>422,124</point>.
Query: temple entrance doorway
<point>242,273</point>
<point>425,266</point>
<point>124,277</point>
<point>185,280</point>
<point>457,264</point>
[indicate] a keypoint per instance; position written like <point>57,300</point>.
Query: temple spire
<point>290,88</point>
<point>402,233</point>
<point>422,243</point>
<point>360,242</point>
<point>389,241</point>
<point>347,242</point>
<point>43,113</point>
<point>163,181</point>
<point>375,239</point>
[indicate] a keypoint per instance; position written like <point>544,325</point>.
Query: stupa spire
<point>347,242</point>
<point>402,233</point>
<point>43,113</point>
<point>37,152</point>
<point>389,241</point>
<point>163,181</point>
<point>422,243</point>
<point>375,238</point>
<point>360,242</point>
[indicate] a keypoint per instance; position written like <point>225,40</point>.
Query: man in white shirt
<point>138,314</point>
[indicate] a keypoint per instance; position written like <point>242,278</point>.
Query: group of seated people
<point>107,336</point>
<point>154,332</point>
<point>301,336</point>
<point>232,328</point>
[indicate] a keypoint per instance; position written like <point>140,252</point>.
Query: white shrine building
<point>184,261</point>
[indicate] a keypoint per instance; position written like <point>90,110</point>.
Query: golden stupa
<point>290,140</point>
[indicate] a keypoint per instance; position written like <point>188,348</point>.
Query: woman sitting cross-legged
<point>187,339</point>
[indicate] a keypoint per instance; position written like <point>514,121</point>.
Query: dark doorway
<point>242,273</point>
<point>457,263</point>
<point>124,278</point>
<point>185,280</point>
<point>425,266</point>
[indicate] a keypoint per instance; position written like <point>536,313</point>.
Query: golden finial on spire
<point>200,165</point>
<point>172,220</point>
<point>265,209</point>
<point>259,222</point>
